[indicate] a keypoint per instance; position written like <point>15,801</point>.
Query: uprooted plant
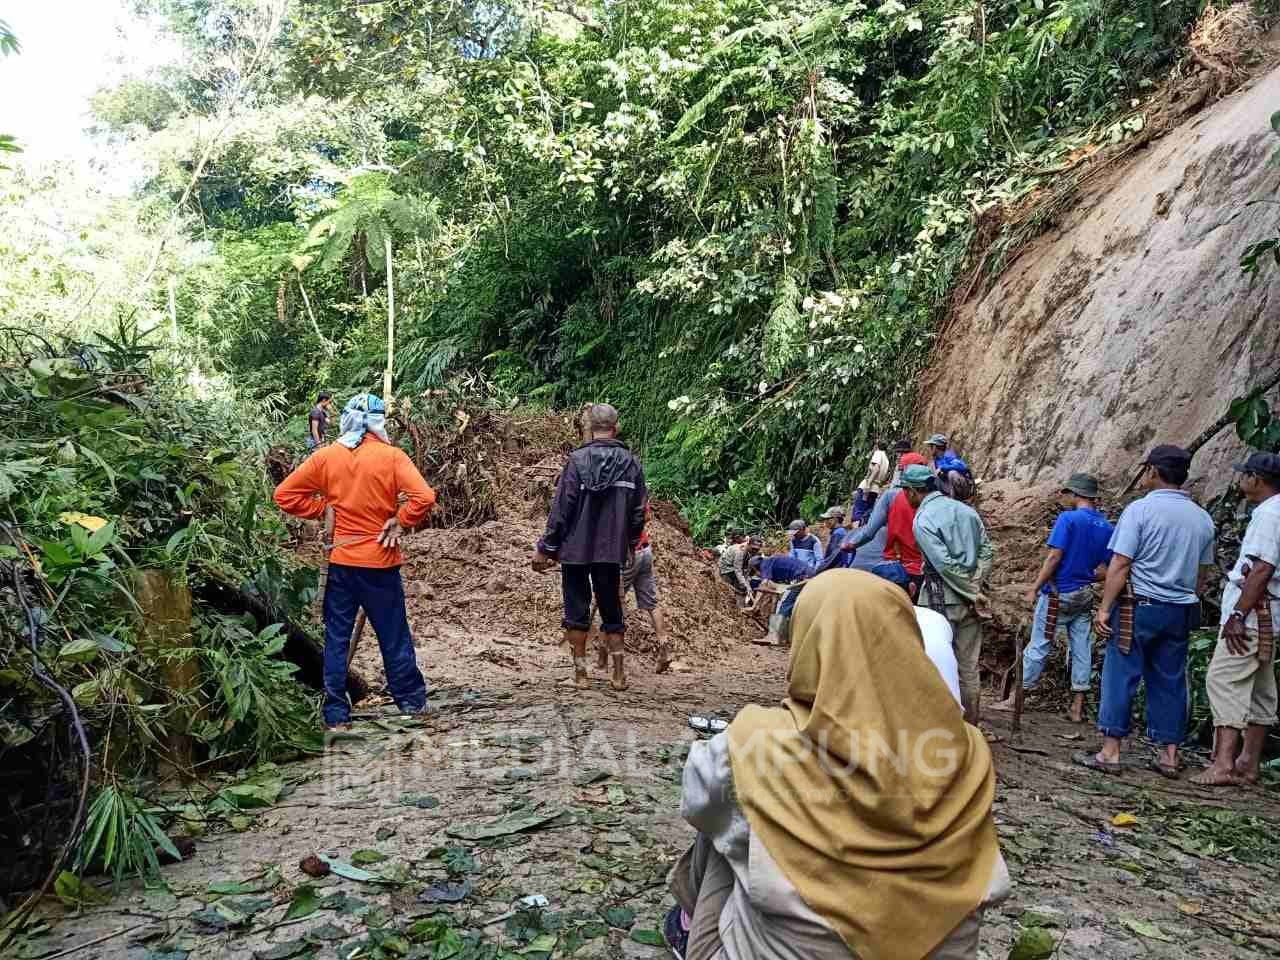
<point>121,496</point>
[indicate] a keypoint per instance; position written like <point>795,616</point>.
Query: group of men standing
<point>1151,566</point>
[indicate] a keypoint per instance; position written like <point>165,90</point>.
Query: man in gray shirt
<point>1161,551</point>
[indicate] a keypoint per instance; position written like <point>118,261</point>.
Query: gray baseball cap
<point>795,525</point>
<point>834,513</point>
<point>937,440</point>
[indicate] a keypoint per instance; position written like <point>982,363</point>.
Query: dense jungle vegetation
<point>738,221</point>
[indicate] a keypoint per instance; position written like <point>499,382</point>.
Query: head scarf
<point>867,787</point>
<point>363,412</point>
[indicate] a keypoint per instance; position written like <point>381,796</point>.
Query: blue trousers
<point>1037,651</point>
<point>380,591</point>
<point>1158,657</point>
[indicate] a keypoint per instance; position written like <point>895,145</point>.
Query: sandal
<point>708,724</point>
<point>1090,760</point>
<point>1166,771</point>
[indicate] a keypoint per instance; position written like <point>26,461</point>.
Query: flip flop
<point>1166,771</point>
<point>708,724</point>
<point>1090,760</point>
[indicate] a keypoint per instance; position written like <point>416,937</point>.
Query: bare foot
<point>1215,776</point>
<point>1003,706</point>
<point>1246,774</point>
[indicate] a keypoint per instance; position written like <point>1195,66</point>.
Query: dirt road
<point>596,776</point>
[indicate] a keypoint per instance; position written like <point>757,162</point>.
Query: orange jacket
<point>362,485</point>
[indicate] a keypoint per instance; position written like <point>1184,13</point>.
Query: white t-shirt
<point>1261,540</point>
<point>938,645</point>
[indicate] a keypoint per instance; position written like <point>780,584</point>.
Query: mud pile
<point>472,586</point>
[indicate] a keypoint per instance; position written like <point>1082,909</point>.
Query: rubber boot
<point>602,652</point>
<point>664,658</point>
<point>617,654</point>
<point>776,622</point>
<point>577,640</point>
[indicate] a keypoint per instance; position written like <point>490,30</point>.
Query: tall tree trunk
<point>324,341</point>
<point>391,325</point>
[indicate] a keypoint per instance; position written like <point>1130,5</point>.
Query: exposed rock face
<point>1129,324</point>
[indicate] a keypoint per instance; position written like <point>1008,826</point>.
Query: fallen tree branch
<point>219,590</point>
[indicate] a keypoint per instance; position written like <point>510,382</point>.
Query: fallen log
<point>302,647</point>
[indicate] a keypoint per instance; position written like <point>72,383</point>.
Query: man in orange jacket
<point>361,477</point>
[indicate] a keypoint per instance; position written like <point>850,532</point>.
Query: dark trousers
<point>380,591</point>
<point>578,581</point>
<point>1158,657</point>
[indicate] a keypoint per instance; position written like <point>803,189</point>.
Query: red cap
<point>907,459</point>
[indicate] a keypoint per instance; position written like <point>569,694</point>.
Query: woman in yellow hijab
<point>855,819</point>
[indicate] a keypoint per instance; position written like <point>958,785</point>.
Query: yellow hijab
<point>867,787</point>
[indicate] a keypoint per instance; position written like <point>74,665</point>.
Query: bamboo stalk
<point>1019,694</point>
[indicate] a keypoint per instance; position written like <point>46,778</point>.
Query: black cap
<point>1169,456</point>
<point>1268,463</point>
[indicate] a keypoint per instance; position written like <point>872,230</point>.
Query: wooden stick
<point>327,544</point>
<point>1018,693</point>
<point>93,943</point>
<point>356,633</point>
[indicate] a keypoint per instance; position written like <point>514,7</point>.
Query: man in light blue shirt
<point>1161,549</point>
<point>957,558</point>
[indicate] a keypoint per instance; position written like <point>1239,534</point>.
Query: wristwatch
<point>1238,613</point>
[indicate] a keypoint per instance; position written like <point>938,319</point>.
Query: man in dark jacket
<point>596,520</point>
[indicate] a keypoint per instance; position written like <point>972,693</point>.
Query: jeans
<point>578,581</point>
<point>1038,649</point>
<point>789,600</point>
<point>1159,657</point>
<point>380,591</point>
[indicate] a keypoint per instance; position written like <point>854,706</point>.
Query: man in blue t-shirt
<point>1077,559</point>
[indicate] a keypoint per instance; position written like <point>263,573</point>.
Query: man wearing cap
<point>879,518</point>
<point>804,544</point>
<point>733,567</point>
<point>833,522</point>
<point>957,554</point>
<point>1241,680</point>
<point>938,446</point>
<point>1162,549</point>
<point>1063,593</point>
<point>593,529</point>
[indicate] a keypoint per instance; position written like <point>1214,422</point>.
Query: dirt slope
<point>1128,324</point>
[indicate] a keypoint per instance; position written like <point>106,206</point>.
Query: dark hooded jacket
<point>597,515</point>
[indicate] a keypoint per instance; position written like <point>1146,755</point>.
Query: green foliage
<point>135,102</point>
<point>121,836</point>
<point>738,224</point>
<point>108,467</point>
<point>367,213</point>
<point>256,709</point>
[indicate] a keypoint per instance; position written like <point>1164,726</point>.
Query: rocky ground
<point>521,786</point>
<point>431,833</point>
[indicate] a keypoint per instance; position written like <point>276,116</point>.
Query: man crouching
<point>596,520</point>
